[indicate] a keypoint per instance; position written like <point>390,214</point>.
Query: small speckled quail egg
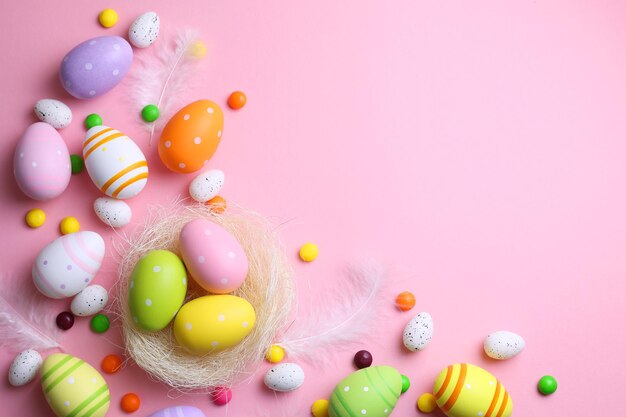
<point>418,332</point>
<point>53,112</point>
<point>90,301</point>
<point>113,212</point>
<point>144,30</point>
<point>24,367</point>
<point>206,185</point>
<point>503,344</point>
<point>284,377</point>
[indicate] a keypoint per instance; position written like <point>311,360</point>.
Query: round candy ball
<point>405,301</point>
<point>221,395</point>
<point>217,204</point>
<point>427,403</point>
<point>320,408</point>
<point>237,100</point>
<point>363,359</point>
<point>69,225</point>
<point>111,364</point>
<point>130,402</point>
<point>100,323</point>
<point>107,18</point>
<point>35,218</point>
<point>77,164</point>
<point>308,252</point>
<point>547,385</point>
<point>65,320</point>
<point>150,113</point>
<point>197,49</point>
<point>93,120</point>
<point>406,383</point>
<point>275,354</point>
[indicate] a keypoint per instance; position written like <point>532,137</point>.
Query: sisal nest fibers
<point>268,287</point>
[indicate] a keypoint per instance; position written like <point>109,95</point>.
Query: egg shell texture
<point>68,264</point>
<point>284,377</point>
<point>503,345</point>
<point>213,323</point>
<point>114,162</point>
<point>418,332</point>
<point>90,301</point>
<point>191,136</point>
<point>53,112</point>
<point>213,256</point>
<point>95,66</point>
<point>372,391</point>
<point>180,411</point>
<point>465,390</point>
<point>112,212</point>
<point>72,387</point>
<point>144,31</point>
<point>206,185</point>
<point>41,163</point>
<point>24,367</point>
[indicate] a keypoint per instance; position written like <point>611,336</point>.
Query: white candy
<point>24,367</point>
<point>284,377</point>
<point>113,212</point>
<point>206,185</point>
<point>144,30</point>
<point>90,301</point>
<point>418,332</point>
<point>53,112</point>
<point>503,344</point>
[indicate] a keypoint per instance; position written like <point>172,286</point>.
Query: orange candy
<point>218,204</point>
<point>237,100</point>
<point>111,364</point>
<point>405,301</point>
<point>130,402</point>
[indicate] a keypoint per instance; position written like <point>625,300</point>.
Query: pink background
<point>476,147</point>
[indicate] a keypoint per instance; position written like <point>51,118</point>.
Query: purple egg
<point>182,411</point>
<point>96,66</point>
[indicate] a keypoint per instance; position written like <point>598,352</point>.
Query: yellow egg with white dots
<point>308,252</point>
<point>35,218</point>
<point>275,354</point>
<point>69,225</point>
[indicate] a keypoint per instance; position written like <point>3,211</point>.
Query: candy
<point>69,225</point>
<point>144,31</point>
<point>418,332</point>
<point>93,120</point>
<point>100,323</point>
<point>24,367</point>
<point>130,402</point>
<point>90,301</point>
<point>406,383</point>
<point>363,359</point>
<point>217,204</point>
<point>150,113</point>
<point>65,320</point>
<point>53,112</point>
<point>206,185</point>
<point>107,18</point>
<point>77,164</point>
<point>547,385</point>
<point>503,345</point>
<point>179,411</point>
<point>426,403</point>
<point>221,395</point>
<point>35,218</point>
<point>308,252</point>
<point>275,354</point>
<point>284,377</point>
<point>237,100</point>
<point>111,364</point>
<point>197,49</point>
<point>320,408</point>
<point>405,301</point>
<point>112,212</point>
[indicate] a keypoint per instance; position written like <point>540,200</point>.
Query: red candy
<point>363,359</point>
<point>65,320</point>
<point>221,395</point>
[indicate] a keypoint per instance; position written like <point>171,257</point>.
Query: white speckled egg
<point>418,332</point>
<point>113,212</point>
<point>144,30</point>
<point>284,377</point>
<point>53,112</point>
<point>503,344</point>
<point>206,185</point>
<point>24,367</point>
<point>90,301</point>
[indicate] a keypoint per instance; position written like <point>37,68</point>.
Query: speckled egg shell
<point>206,185</point>
<point>144,30</point>
<point>90,301</point>
<point>503,345</point>
<point>68,264</point>
<point>180,411</point>
<point>96,66</point>
<point>41,164</point>
<point>24,367</point>
<point>114,162</point>
<point>418,332</point>
<point>112,212</point>
<point>191,136</point>
<point>53,112</point>
<point>284,377</point>
<point>73,387</point>
<point>213,256</point>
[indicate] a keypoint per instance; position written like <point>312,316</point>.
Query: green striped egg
<point>73,388</point>
<point>369,392</point>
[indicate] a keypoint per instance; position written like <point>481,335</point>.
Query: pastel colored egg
<point>157,289</point>
<point>191,136</point>
<point>144,30</point>
<point>418,332</point>
<point>72,387</point>
<point>90,301</point>
<point>284,377</point>
<point>24,367</point>
<point>372,391</point>
<point>465,390</point>
<point>68,264</point>
<point>53,112</point>
<point>114,162</point>
<point>113,212</point>
<point>206,185</point>
<point>213,256</point>
<point>41,163</point>
<point>503,345</point>
<point>180,411</point>
<point>213,323</point>
<point>95,66</point>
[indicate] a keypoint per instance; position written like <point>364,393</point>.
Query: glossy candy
<point>77,164</point>
<point>217,204</point>
<point>53,112</point>
<point>65,320</point>
<point>547,385</point>
<point>308,252</point>
<point>427,403</point>
<point>24,367</point>
<point>107,18</point>
<point>111,364</point>
<point>206,185</point>
<point>69,225</point>
<point>418,332</point>
<point>35,218</point>
<point>93,120</point>
<point>180,411</point>
<point>405,301</point>
<point>363,359</point>
<point>503,345</point>
<point>221,395</point>
<point>150,113</point>
<point>284,377</point>
<point>144,31</point>
<point>100,323</point>
<point>275,354</point>
<point>130,402</point>
<point>237,100</point>
<point>320,408</point>
<point>406,383</point>
<point>90,301</point>
<point>112,212</point>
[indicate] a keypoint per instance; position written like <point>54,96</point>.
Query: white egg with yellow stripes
<point>114,162</point>
<point>73,388</point>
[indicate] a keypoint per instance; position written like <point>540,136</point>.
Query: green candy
<point>150,113</point>
<point>93,120</point>
<point>77,164</point>
<point>406,383</point>
<point>100,323</point>
<point>547,385</point>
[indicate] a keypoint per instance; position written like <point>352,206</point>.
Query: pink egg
<point>42,162</point>
<point>221,395</point>
<point>213,256</point>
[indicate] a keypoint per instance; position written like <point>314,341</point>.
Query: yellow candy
<point>197,49</point>
<point>107,18</point>
<point>427,403</point>
<point>308,252</point>
<point>275,354</point>
<point>69,225</point>
<point>35,218</point>
<point>320,408</point>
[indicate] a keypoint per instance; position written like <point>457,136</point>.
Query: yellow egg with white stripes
<point>465,390</point>
<point>114,162</point>
<point>73,388</point>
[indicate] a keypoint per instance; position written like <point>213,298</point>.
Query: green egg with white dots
<point>157,289</point>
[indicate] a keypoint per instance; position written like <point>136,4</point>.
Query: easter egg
<point>191,136</point>
<point>157,289</point>
<point>90,301</point>
<point>72,387</point>
<point>418,332</point>
<point>144,30</point>
<point>465,390</point>
<point>24,367</point>
<point>68,264</point>
<point>41,163</point>
<point>284,377</point>
<point>53,112</point>
<point>180,411</point>
<point>213,323</point>
<point>95,66</point>
<point>112,212</point>
<point>114,162</point>
<point>503,345</point>
<point>372,391</point>
<point>206,185</point>
<point>213,256</point>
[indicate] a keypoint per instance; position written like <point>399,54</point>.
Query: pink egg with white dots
<point>213,256</point>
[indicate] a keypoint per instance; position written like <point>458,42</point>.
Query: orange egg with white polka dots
<point>191,136</point>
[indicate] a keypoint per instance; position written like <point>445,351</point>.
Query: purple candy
<point>182,411</point>
<point>96,66</point>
